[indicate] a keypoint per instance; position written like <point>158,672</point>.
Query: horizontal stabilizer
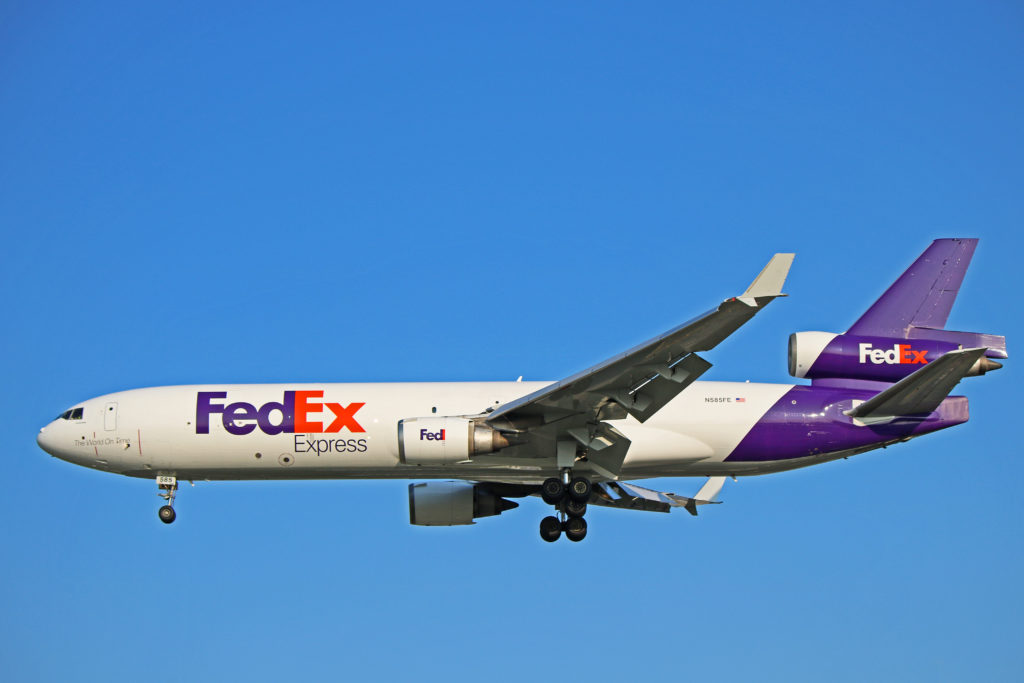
<point>923,391</point>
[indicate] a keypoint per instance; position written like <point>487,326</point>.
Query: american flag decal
<point>741,400</point>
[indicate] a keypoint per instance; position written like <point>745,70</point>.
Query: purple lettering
<point>272,417</point>
<point>237,412</point>
<point>204,409</point>
<point>287,410</point>
<point>431,436</point>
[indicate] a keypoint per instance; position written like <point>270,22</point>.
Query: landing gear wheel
<point>579,489</point>
<point>550,529</point>
<point>574,508</point>
<point>575,529</point>
<point>167,514</point>
<point>552,491</point>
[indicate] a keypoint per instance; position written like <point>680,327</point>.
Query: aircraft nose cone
<point>45,440</point>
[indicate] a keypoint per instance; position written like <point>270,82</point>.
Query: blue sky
<point>463,191</point>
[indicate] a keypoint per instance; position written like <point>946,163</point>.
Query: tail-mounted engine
<point>821,355</point>
<point>446,440</point>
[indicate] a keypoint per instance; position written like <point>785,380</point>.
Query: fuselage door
<point>110,417</point>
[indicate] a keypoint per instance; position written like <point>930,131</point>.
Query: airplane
<point>578,442</point>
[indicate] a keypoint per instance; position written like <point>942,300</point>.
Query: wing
<point>633,497</point>
<point>638,382</point>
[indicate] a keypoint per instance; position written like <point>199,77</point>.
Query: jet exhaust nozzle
<point>982,366</point>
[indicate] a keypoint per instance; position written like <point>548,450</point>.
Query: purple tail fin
<point>917,305</point>
<point>923,295</point>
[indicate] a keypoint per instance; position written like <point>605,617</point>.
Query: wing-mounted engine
<point>446,440</point>
<point>451,503</point>
<point>826,355</point>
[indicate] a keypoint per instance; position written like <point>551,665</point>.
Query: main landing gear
<point>168,487</point>
<point>569,496</point>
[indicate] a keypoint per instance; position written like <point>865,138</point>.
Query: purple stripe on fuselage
<point>810,421</point>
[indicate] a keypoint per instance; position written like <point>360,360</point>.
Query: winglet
<point>769,282</point>
<point>707,494</point>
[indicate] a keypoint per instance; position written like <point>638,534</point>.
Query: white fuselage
<point>150,432</point>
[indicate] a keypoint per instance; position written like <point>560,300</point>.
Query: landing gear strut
<point>168,487</point>
<point>569,496</point>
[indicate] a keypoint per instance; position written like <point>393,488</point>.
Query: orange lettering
<point>302,407</point>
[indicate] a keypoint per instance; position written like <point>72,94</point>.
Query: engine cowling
<point>451,503</point>
<point>821,355</point>
<point>445,440</point>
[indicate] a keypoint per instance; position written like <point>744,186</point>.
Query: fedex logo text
<point>426,435</point>
<point>899,354</point>
<point>293,415</point>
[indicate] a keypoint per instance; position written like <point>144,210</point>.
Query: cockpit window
<point>76,414</point>
<point>73,414</point>
<point>66,415</point>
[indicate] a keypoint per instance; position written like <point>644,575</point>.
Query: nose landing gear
<point>570,500</point>
<point>168,487</point>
